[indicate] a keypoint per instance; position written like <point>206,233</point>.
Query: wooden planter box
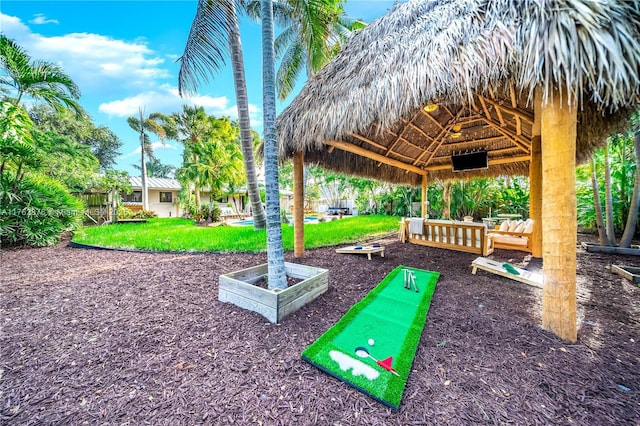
<point>238,288</point>
<point>629,272</point>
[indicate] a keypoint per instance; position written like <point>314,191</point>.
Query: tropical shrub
<point>124,213</point>
<point>36,210</point>
<point>144,214</point>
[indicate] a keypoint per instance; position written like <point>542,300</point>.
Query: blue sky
<point>122,55</point>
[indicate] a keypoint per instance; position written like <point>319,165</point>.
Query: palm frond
<point>207,45</point>
<point>290,69</point>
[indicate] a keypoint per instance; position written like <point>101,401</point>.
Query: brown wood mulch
<point>107,337</point>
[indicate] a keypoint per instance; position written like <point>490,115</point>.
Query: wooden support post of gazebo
<point>298,204</point>
<point>559,228</point>
<point>535,180</point>
<point>424,196</point>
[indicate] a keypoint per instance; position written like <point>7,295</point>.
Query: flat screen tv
<point>470,161</point>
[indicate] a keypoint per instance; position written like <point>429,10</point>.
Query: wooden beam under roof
<point>514,104</point>
<point>517,140</point>
<point>354,149</point>
<point>437,141</point>
<point>408,142</point>
<point>401,134</point>
<point>524,115</point>
<point>418,129</point>
<point>492,162</point>
<point>498,112</point>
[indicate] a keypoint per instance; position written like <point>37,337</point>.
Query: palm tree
<point>277,277</point>
<point>40,80</point>
<point>158,124</point>
<point>156,169</point>
<point>634,207</point>
<point>193,127</point>
<point>216,22</point>
<point>313,32</point>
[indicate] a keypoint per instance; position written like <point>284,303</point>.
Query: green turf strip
<point>393,317</point>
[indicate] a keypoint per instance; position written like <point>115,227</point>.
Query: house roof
<point>480,62</point>
<point>156,183</point>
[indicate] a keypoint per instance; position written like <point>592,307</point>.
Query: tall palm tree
<point>161,126</point>
<point>313,32</point>
<point>215,23</point>
<point>193,127</point>
<point>634,207</point>
<point>39,80</point>
<point>276,275</point>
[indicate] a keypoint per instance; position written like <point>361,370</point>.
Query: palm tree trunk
<point>237,64</point>
<point>634,207</point>
<point>196,190</point>
<point>596,203</point>
<point>277,277</point>
<point>610,232</point>
<point>446,199</point>
<point>143,167</point>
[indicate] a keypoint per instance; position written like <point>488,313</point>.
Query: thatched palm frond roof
<point>480,61</point>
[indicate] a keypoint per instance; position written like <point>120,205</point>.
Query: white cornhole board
<point>527,277</point>
<point>364,250</point>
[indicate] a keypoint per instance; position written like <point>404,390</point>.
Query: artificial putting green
<point>388,322</point>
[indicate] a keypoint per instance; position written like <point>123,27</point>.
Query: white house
<point>162,192</point>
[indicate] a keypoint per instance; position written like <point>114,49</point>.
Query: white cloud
<point>40,19</point>
<point>167,100</point>
<point>95,62</point>
<point>155,146</point>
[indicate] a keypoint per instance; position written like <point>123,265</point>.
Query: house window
<point>134,197</point>
<point>166,197</point>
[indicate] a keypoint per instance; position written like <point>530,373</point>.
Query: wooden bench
<point>469,237</point>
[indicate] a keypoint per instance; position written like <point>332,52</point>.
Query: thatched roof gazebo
<point>538,85</point>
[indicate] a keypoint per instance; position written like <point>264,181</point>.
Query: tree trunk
<point>610,232</point>
<point>196,190</point>
<point>634,207</point>
<point>535,179</point>
<point>242,100</point>
<point>602,240</point>
<point>143,167</point>
<point>446,199</point>
<point>277,277</point>
<point>559,228</point>
<point>425,203</point>
<point>298,204</point>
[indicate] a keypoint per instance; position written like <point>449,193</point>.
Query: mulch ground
<point>107,337</point>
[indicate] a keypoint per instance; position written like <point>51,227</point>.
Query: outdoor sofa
<point>513,235</point>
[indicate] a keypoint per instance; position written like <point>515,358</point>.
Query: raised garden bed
<point>634,250</point>
<point>629,272</point>
<point>242,289</point>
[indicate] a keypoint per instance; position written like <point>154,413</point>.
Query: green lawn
<point>183,235</point>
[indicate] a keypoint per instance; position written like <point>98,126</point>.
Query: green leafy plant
<point>36,211</point>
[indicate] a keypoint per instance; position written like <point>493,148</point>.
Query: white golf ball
<point>371,342</point>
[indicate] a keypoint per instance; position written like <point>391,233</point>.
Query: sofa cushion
<point>513,225</point>
<point>520,227</point>
<point>504,226</point>
<point>529,227</point>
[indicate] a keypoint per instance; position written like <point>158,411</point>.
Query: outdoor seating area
<point>228,213</point>
<point>447,234</point>
<point>513,235</point>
